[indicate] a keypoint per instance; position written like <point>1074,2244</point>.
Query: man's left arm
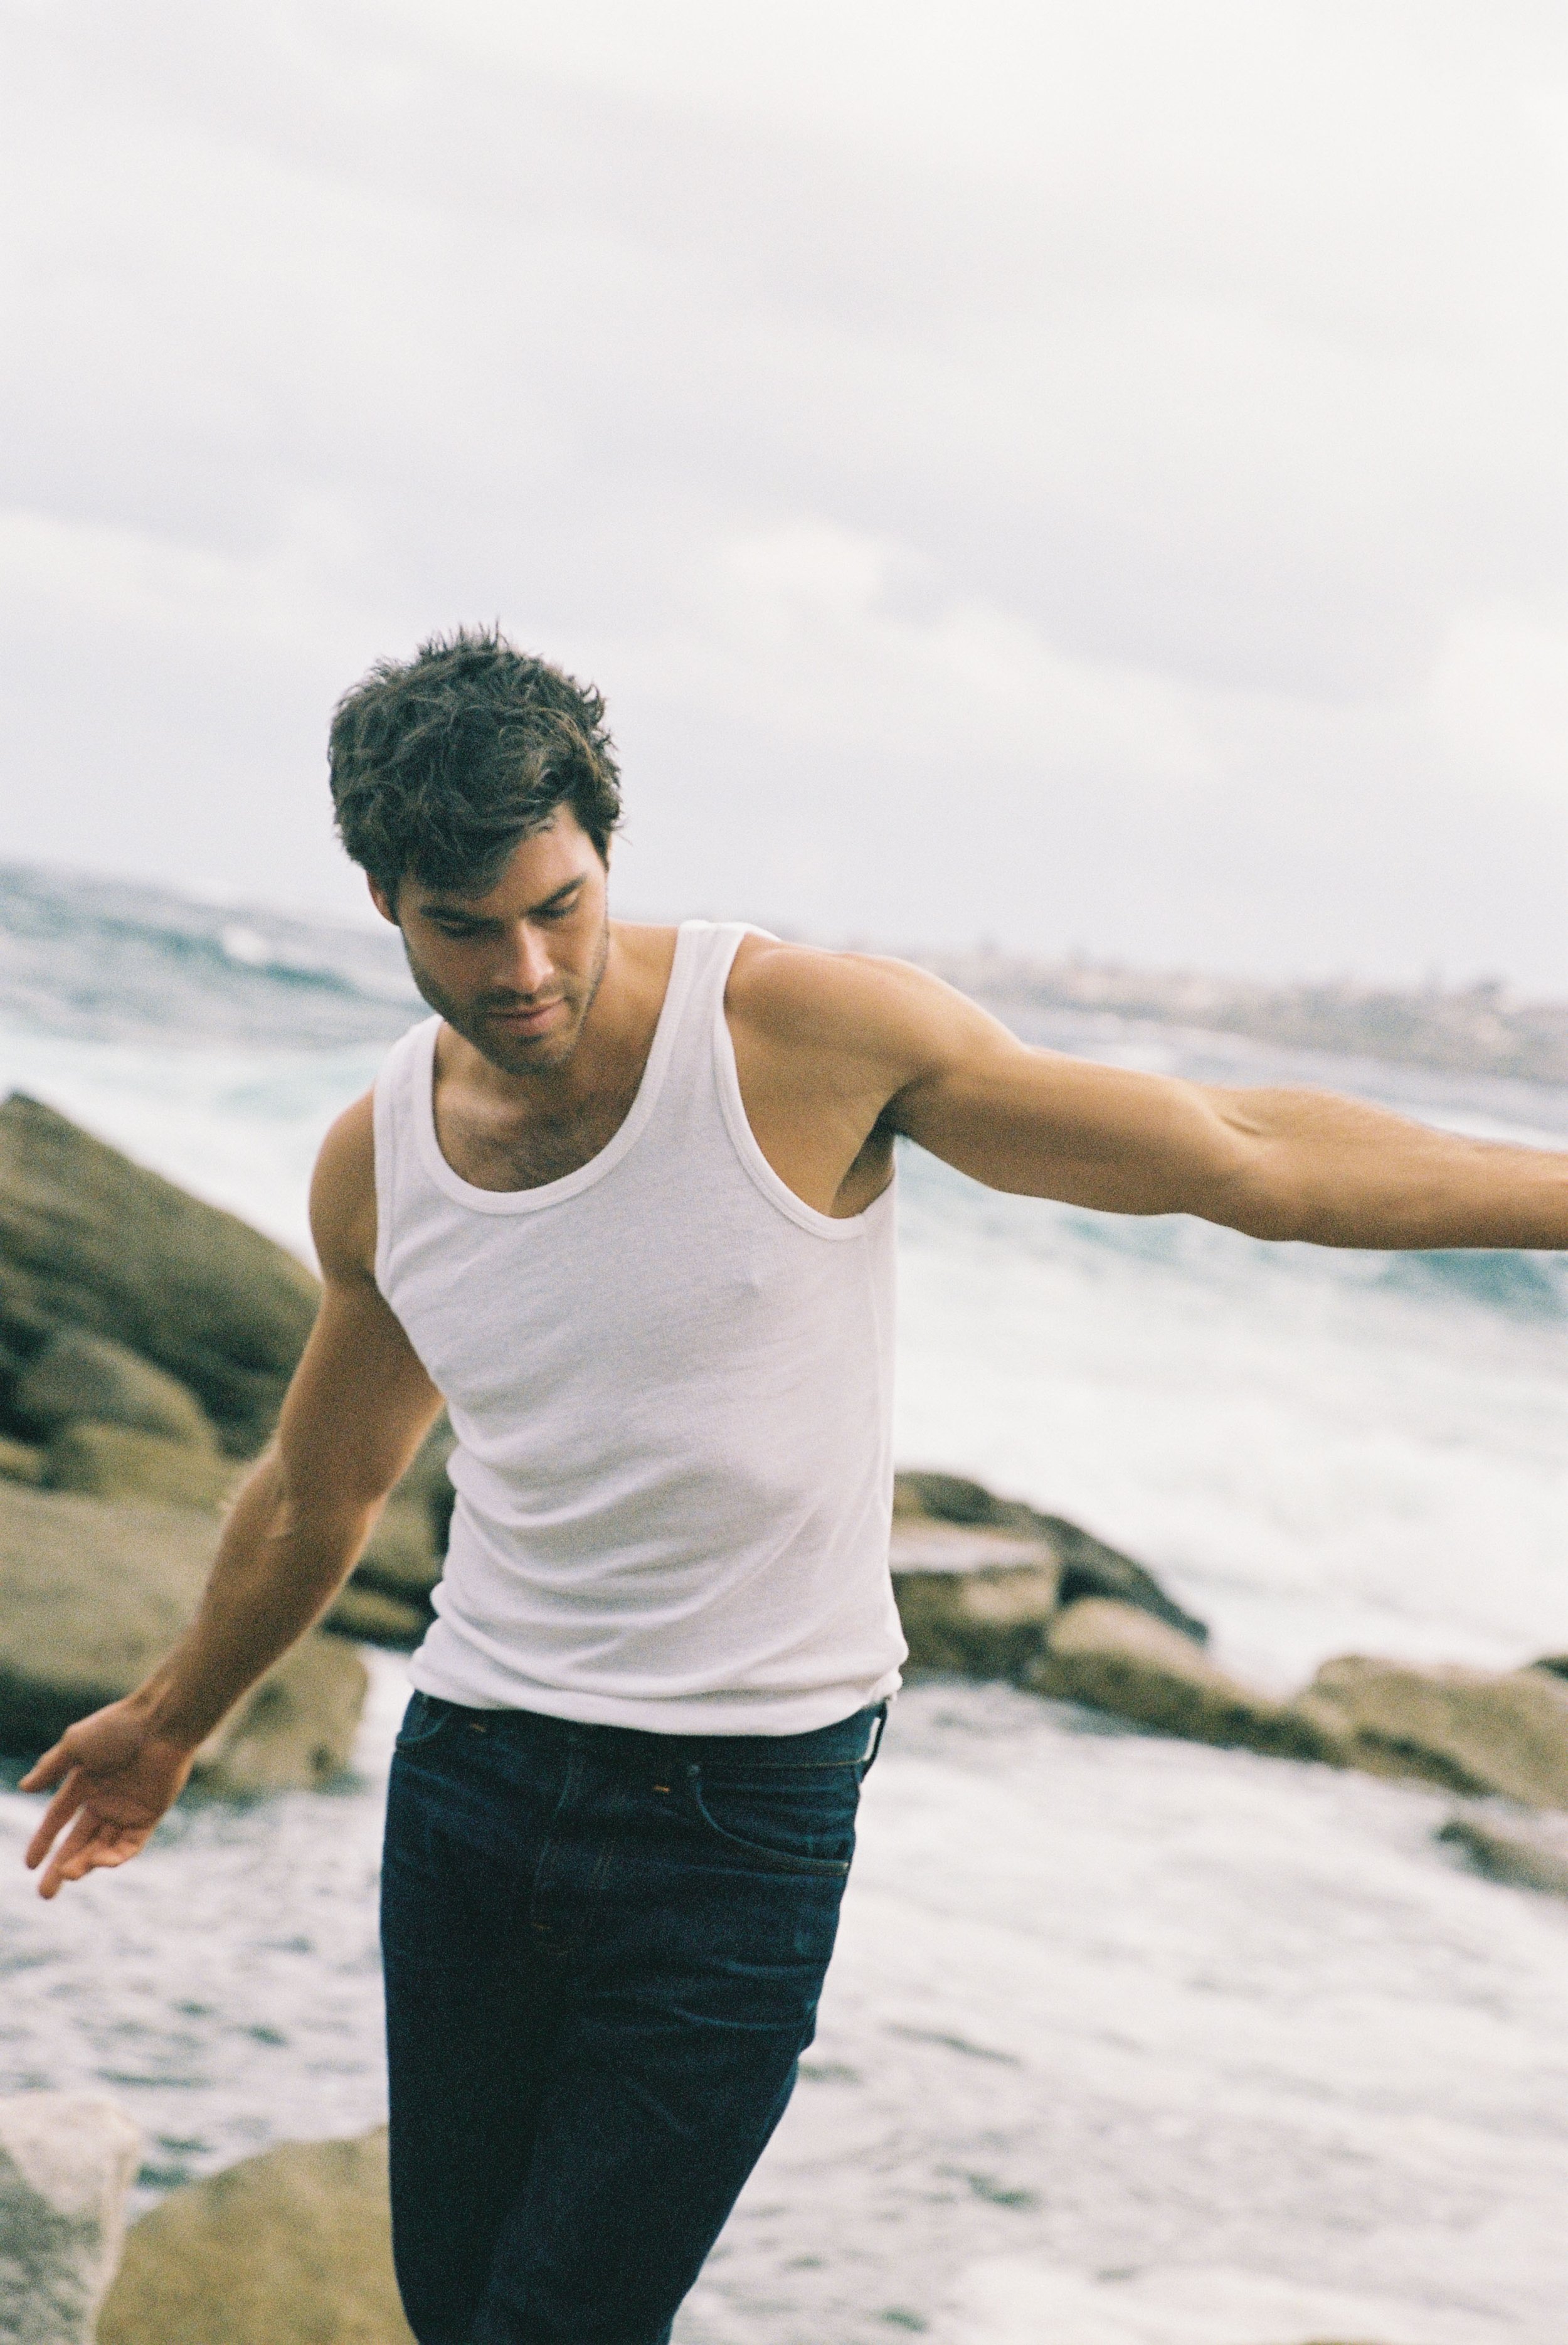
<point>1275,1163</point>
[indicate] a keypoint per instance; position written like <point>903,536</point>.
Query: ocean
<point>1127,2042</point>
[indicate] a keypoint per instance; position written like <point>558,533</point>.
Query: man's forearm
<point>1338,1172</point>
<point>278,1565</point>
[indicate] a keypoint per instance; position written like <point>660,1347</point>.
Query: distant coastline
<point>1481,1029</point>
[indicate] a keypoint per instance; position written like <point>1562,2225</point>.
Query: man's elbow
<point>1262,1201</point>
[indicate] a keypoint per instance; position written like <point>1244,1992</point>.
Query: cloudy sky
<point>1083,473</point>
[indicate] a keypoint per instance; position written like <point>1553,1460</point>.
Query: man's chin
<point>525,1055</point>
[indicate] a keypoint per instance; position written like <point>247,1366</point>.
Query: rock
<point>296,1731</point>
<point>1119,1658</point>
<point>984,1618</point>
<point>426,1483</point>
<point>89,1240</point>
<point>1530,1856</point>
<point>1089,1567</point>
<point>67,2161</point>
<point>76,1376</point>
<point>373,1617</point>
<point>1556,1665</point>
<point>20,1461</point>
<point>1471,1731</point>
<point>292,2247</point>
<point>93,1593</point>
<point>401,1556</point>
<point>112,1461</point>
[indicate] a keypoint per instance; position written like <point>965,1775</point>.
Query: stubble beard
<point>513,1055</point>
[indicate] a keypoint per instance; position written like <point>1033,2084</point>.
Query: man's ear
<point>382,900</point>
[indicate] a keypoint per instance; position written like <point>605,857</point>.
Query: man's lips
<point>529,1017</point>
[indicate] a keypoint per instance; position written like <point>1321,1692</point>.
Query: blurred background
<point>1075,493</point>
<point>1065,475</point>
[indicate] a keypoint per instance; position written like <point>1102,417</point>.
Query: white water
<point>1127,2043</point>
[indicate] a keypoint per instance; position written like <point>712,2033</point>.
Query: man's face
<point>514,971</point>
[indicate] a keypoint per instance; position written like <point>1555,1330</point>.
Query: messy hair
<point>440,763</point>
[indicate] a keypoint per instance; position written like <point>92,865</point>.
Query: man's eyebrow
<point>459,908</point>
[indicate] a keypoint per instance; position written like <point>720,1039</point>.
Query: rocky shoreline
<point>145,1342</point>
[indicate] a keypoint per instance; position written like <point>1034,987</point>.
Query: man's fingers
<point>61,1808</point>
<point>92,1843</point>
<point>46,1771</point>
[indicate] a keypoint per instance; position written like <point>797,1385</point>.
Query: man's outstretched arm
<point>857,1046</point>
<point>1274,1162</point>
<point>355,1411</point>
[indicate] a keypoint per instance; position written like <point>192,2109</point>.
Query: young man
<point>625,1203</point>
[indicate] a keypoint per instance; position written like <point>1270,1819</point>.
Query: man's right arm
<point>358,1408</point>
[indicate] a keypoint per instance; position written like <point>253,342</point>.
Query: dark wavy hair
<point>440,763</point>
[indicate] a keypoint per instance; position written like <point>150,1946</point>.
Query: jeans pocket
<point>780,1819</point>
<point>422,1722</point>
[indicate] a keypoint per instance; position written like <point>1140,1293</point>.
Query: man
<point>624,1203</point>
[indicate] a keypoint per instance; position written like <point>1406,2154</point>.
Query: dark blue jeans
<point>604,1952</point>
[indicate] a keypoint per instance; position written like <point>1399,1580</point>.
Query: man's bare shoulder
<point>343,1194</point>
<point>867,1005</point>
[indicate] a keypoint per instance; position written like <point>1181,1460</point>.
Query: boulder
<point>67,2161</point>
<point>1533,1855</point>
<point>89,1240</point>
<point>373,1617</point>
<point>1088,1566</point>
<point>74,1377</point>
<point>1471,1731</point>
<point>20,1461</point>
<point>112,1461</point>
<point>292,2247</point>
<point>401,1556</point>
<point>92,1594</point>
<point>1119,1658</point>
<point>986,1614</point>
<point>426,1483</point>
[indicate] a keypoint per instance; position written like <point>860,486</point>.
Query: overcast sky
<point>1083,475</point>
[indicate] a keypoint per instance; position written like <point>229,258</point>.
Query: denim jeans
<point>604,1952</point>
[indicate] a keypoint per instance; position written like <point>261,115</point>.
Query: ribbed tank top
<point>671,1384</point>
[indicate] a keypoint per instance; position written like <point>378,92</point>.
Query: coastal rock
<point>91,1241</point>
<point>292,2247</point>
<point>1471,1731</point>
<point>1118,1658</point>
<point>372,1618</point>
<point>92,1593</point>
<point>426,1485</point>
<point>20,1461</point>
<point>67,2161</point>
<point>296,1730</point>
<point>386,1601</point>
<point>114,1461</point>
<point>401,1558</point>
<point>1088,1566</point>
<point>988,1616</point>
<point>76,1376</point>
<point>1531,1855</point>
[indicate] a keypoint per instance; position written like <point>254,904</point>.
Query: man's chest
<point>525,1148</point>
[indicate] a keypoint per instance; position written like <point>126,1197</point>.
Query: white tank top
<point>671,1382</point>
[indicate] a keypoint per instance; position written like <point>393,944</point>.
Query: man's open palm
<point>115,1780</point>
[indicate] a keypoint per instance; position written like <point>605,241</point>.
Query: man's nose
<point>531,969</point>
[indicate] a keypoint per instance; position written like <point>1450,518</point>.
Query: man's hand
<point>116,1778</point>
